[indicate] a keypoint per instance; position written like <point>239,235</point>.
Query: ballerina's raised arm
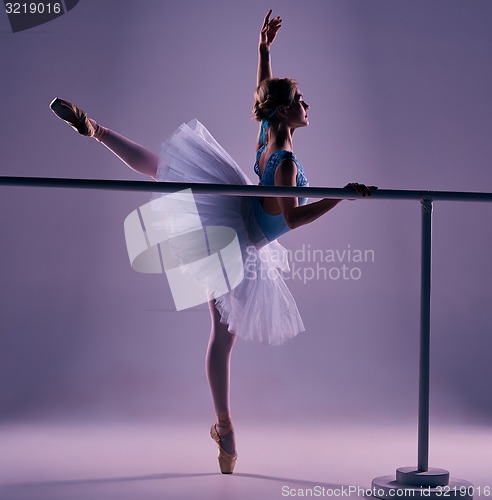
<point>281,109</point>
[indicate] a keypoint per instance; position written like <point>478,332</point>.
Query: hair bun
<point>271,94</point>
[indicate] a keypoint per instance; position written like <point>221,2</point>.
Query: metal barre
<point>241,190</point>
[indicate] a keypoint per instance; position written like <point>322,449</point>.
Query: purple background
<point>400,96</point>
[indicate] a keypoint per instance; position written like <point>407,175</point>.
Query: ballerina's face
<point>297,115</point>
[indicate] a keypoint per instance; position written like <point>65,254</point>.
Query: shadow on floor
<point>156,477</point>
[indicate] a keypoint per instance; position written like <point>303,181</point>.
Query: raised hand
<point>269,29</point>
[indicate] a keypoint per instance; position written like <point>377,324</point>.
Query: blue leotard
<point>274,226</point>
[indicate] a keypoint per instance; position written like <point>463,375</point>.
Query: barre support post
<point>425,303</point>
<point>422,481</point>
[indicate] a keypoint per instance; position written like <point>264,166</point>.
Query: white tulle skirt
<point>260,307</point>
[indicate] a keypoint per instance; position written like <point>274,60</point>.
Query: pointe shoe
<point>74,116</point>
<point>226,461</point>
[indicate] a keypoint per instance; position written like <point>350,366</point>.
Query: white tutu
<point>260,307</point>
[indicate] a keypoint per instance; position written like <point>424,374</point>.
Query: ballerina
<point>261,307</point>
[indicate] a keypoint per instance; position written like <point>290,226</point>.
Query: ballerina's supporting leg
<point>218,372</point>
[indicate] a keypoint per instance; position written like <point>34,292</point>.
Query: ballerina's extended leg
<point>132,154</point>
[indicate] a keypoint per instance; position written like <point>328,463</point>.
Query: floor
<point>146,461</point>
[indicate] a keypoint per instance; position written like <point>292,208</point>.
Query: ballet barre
<point>241,190</point>
<point>420,481</point>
